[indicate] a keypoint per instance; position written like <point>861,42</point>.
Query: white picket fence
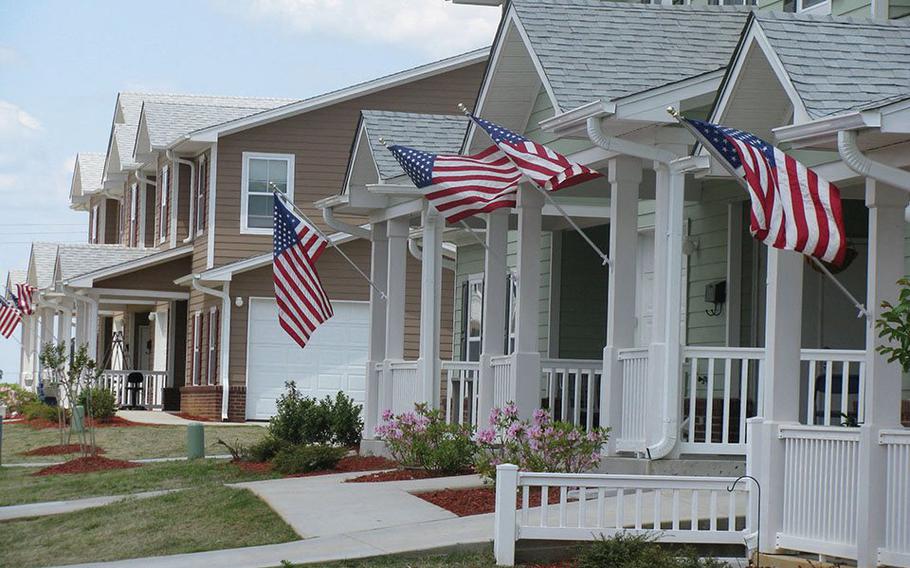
<point>674,509</point>
<point>152,386</point>
<point>462,395</point>
<point>572,390</point>
<point>401,389</point>
<point>896,551</point>
<point>722,388</point>
<point>632,432</point>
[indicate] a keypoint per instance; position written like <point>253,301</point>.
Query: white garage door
<point>333,360</point>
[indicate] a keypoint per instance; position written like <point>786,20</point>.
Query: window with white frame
<point>94,228</point>
<point>211,364</point>
<point>473,317</point>
<point>512,312</point>
<point>197,355</point>
<point>134,196</point>
<point>261,175</point>
<point>808,6</point>
<point>202,191</point>
<point>163,205</point>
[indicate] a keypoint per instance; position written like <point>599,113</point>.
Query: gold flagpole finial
<point>383,141</point>
<point>464,110</point>
<point>673,112</point>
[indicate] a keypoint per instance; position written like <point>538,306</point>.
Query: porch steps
<point>702,466</point>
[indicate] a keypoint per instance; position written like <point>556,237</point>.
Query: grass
<point>130,443</point>
<point>452,560</point>
<point>195,520</point>
<point>18,487</point>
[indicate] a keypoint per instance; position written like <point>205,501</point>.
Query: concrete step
<point>701,466</point>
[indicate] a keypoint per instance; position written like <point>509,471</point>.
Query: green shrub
<point>304,420</point>
<point>103,406</point>
<point>37,410</point>
<point>640,551</point>
<point>14,397</point>
<point>265,449</point>
<point>304,459</point>
<point>423,439</point>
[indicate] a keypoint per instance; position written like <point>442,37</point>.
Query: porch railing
<point>835,386</point>
<point>633,365</point>
<point>559,506</point>
<point>896,551</point>
<point>151,394</point>
<point>503,388</point>
<point>722,388</point>
<point>572,390</point>
<point>820,481</point>
<point>462,379</point>
<point>403,377</point>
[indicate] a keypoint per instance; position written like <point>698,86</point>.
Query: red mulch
<point>253,467</point>
<point>57,450</point>
<point>346,465</point>
<point>41,424</point>
<point>188,416</point>
<point>114,421</point>
<point>401,475</point>
<point>86,465</point>
<point>479,500</point>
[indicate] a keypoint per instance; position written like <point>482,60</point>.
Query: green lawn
<point>195,520</point>
<point>452,560</point>
<point>134,442</point>
<point>18,487</point>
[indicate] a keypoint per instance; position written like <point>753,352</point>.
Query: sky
<point>62,64</point>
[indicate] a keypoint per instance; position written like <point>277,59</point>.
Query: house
<point>193,308</point>
<point>697,342</point>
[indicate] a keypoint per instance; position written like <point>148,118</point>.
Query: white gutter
<point>663,159</point>
<point>328,215</point>
<point>225,340</point>
<point>417,252</point>
<point>866,167</point>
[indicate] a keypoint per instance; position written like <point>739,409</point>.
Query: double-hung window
<point>197,341</point>
<point>134,226</point>
<point>261,175</point>
<point>473,317</point>
<point>211,365</point>
<point>202,192</point>
<point>93,236</point>
<point>163,204</point>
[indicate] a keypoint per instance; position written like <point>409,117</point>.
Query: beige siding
<point>160,278</point>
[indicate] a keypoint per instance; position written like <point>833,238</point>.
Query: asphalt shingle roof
<point>840,64</point>
<point>13,277</point>
<point>131,102</point>
<point>77,259</point>
<point>596,50</point>
<point>91,170</point>
<point>44,256</point>
<point>436,133</point>
<point>168,121</point>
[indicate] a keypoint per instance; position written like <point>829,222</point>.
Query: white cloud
<point>436,27</point>
<point>8,56</point>
<point>15,121</point>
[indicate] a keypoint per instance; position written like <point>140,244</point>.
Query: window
<point>211,364</point>
<point>511,312</point>
<point>473,317</point>
<point>134,226</point>
<point>164,208</point>
<point>808,6</point>
<point>202,193</point>
<point>93,225</point>
<point>197,340</point>
<point>263,173</point>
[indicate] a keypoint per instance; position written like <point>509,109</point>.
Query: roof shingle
<point>436,133</point>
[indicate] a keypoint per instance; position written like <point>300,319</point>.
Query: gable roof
<point>77,259</point>
<point>165,122</point>
<point>435,133</point>
<point>13,277</point>
<point>87,175</point>
<point>42,259</point>
<point>838,64</point>
<point>596,50</point>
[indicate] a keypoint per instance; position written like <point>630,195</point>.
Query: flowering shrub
<point>14,398</point>
<point>540,444</point>
<point>423,439</point>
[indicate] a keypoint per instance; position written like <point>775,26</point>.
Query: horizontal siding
<point>158,278</point>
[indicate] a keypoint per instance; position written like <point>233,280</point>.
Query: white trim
<point>820,9</point>
<point>289,159</point>
<point>133,213</point>
<point>402,77</point>
<point>143,195</point>
<point>476,279</point>
<point>129,293</point>
<point>198,210</point>
<point>824,130</point>
<point>163,206</point>
<point>210,241</point>
<point>87,280</point>
<point>210,348</point>
<point>175,192</point>
<point>94,227</point>
<point>195,370</point>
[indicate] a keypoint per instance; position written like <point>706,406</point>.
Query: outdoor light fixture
<point>238,301</point>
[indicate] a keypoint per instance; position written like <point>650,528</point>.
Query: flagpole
<point>701,140</point>
<point>284,198</point>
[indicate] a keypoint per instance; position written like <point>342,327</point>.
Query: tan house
<point>185,181</point>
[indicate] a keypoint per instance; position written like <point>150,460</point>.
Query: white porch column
<point>526,360</point>
<point>666,341</point>
<point>65,327</point>
<point>379,258</point>
<point>625,178</point>
<point>493,334</point>
<point>395,301</point>
<point>27,370</point>
<point>80,322</point>
<point>91,321</point>
<point>430,307</point>
<point>882,389</point>
<point>779,387</point>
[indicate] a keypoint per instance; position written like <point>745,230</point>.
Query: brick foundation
<point>205,402</point>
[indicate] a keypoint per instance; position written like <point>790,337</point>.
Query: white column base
<point>611,388</point>
<point>526,381</point>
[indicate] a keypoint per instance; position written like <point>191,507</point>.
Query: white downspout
<point>225,341</point>
<point>864,166</point>
<point>670,424</point>
<point>328,215</point>
<point>417,252</point>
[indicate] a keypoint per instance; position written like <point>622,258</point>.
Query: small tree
<point>894,326</point>
<point>53,360</point>
<point>78,377</point>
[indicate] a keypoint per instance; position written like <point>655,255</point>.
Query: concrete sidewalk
<point>340,521</point>
<point>162,418</point>
<point>58,507</point>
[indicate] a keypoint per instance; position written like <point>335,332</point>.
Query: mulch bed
<point>40,424</point>
<point>401,475</point>
<point>113,422</point>
<point>253,467</point>
<point>57,450</point>
<point>479,500</point>
<point>86,465</point>
<point>346,465</point>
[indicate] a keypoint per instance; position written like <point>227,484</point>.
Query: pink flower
<point>541,416</point>
<point>485,436</point>
<point>510,410</point>
<point>387,414</point>
<point>495,413</point>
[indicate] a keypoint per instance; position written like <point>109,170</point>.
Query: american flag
<point>792,207</point>
<point>9,319</point>
<point>461,186</point>
<point>302,302</point>
<point>25,298</point>
<point>546,168</point>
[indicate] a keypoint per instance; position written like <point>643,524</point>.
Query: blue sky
<point>62,64</point>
